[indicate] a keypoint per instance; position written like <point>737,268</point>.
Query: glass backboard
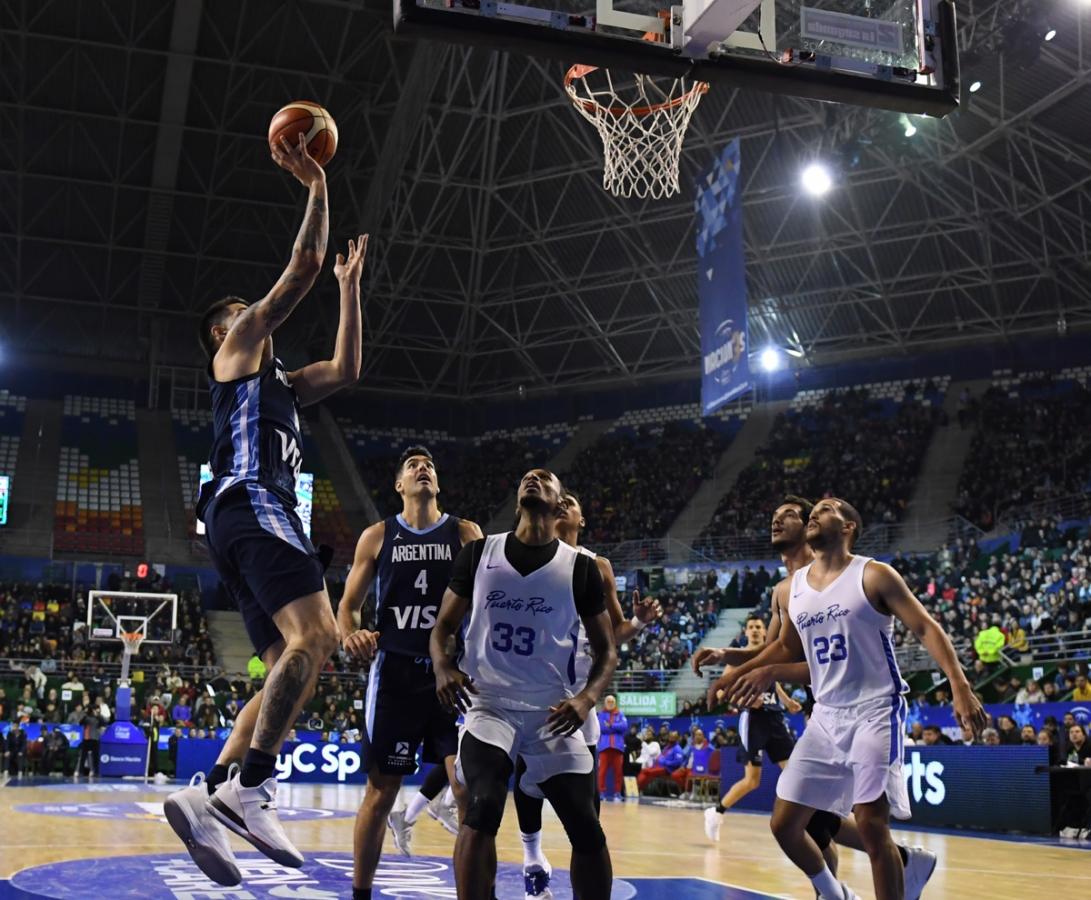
<point>892,54</point>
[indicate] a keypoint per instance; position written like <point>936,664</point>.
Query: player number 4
<point>831,649</point>
<point>515,640</point>
<point>421,584</point>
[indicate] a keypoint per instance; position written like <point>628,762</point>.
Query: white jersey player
<point>526,593</point>
<point>849,759</point>
<point>537,871</point>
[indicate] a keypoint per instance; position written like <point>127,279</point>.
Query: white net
<point>130,641</point>
<point>642,120</point>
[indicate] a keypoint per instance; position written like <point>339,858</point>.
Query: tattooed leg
<point>310,636</point>
<point>286,689</point>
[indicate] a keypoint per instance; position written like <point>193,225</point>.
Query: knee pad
<point>485,809</point>
<point>823,827</point>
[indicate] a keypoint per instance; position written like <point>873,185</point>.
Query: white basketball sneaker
<point>919,866</point>
<point>251,812</point>
<point>447,816</point>
<point>205,838</point>
<point>402,831</point>
<point>713,821</point>
<point>536,881</point>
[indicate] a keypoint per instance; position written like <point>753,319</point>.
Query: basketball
<point>311,120</point>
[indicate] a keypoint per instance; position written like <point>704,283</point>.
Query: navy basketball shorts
<point>402,715</point>
<point>763,733</point>
<point>263,557</point>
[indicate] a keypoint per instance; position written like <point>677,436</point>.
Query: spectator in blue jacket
<point>698,761</point>
<point>670,758</point>
<point>612,727</point>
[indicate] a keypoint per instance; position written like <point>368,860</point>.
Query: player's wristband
<point>636,623</point>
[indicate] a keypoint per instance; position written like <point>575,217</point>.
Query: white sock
<point>415,807</point>
<point>532,848</point>
<point>448,797</point>
<point>828,887</point>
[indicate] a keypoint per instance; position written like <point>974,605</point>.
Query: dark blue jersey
<point>770,702</point>
<point>255,434</point>
<point>411,575</point>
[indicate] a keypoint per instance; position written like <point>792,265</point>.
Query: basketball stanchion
<point>130,642</point>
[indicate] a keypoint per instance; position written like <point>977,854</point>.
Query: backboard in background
<point>109,613</point>
<point>892,54</point>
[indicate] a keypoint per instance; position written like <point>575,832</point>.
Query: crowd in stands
<point>633,486</point>
<point>991,600</point>
<point>1030,444</point>
<point>688,613</point>
<point>849,445</point>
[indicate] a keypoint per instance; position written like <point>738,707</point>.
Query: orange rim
<point>582,71</point>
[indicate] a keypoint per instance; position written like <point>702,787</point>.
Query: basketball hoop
<point>642,122</point>
<point>130,641</point>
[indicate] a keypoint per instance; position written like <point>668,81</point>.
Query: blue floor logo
<point>153,812</point>
<point>325,876</point>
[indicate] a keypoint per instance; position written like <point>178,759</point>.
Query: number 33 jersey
<point>521,639</point>
<point>411,574</point>
<point>846,641</point>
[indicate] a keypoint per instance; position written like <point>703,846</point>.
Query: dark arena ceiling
<point>136,187</point>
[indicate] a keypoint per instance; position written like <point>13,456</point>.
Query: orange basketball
<point>311,120</point>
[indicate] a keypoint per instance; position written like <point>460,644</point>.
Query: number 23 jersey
<point>847,642</point>
<point>521,639</point>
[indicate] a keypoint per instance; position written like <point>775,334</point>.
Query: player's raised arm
<point>883,584</point>
<point>645,611</point>
<point>358,642</point>
<point>260,320</point>
<point>320,379</point>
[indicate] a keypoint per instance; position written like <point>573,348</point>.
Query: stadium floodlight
<point>770,359</point>
<point>975,87</point>
<point>816,179</point>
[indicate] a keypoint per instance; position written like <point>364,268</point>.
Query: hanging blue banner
<point>721,284</point>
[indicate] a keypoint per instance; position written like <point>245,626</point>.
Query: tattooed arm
<point>241,352</point>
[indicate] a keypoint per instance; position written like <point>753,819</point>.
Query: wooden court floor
<point>108,839</point>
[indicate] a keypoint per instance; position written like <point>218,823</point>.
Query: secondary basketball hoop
<point>642,121</point>
<point>130,642</point>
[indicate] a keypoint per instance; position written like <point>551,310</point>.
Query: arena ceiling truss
<point>135,187</point>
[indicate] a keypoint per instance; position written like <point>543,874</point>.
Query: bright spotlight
<point>975,87</point>
<point>816,179</point>
<point>770,359</point>
<point>910,130</point>
<point>1051,34</point>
